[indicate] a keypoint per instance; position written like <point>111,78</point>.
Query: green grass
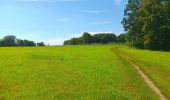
<point>155,64</point>
<point>76,73</point>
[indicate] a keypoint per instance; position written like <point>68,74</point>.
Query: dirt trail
<point>149,82</point>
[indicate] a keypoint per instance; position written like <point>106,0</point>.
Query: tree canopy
<point>103,38</point>
<point>147,23</point>
<point>11,40</point>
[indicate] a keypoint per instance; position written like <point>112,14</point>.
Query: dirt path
<point>145,78</point>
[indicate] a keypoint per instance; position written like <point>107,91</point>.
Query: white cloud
<point>92,33</point>
<point>117,2</point>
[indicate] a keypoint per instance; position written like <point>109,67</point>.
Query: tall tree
<point>131,24</point>
<point>122,38</point>
<point>41,44</point>
<point>9,40</point>
<point>147,23</point>
<point>150,14</point>
<point>87,39</point>
<point>165,26</point>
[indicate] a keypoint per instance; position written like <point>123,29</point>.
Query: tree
<point>132,25</point>
<point>87,39</point>
<point>122,38</point>
<point>103,38</point>
<point>29,43</point>
<point>0,42</point>
<point>150,15</point>
<point>20,42</point>
<point>9,40</point>
<point>147,23</point>
<point>40,44</point>
<point>165,26</point>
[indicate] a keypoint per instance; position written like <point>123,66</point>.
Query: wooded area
<point>102,38</point>
<point>11,40</point>
<point>147,23</point>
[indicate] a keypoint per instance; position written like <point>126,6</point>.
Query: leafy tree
<point>147,23</point>
<point>165,26</point>
<point>122,38</point>
<point>132,25</point>
<point>20,42</point>
<point>104,38</point>
<point>151,19</point>
<point>87,39</point>
<point>41,44</point>
<point>29,43</point>
<point>9,40</point>
<point>0,42</point>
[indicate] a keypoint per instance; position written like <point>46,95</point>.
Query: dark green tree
<point>150,14</point>
<point>86,37</point>
<point>132,25</point>
<point>165,26</point>
<point>9,40</point>
<point>147,23</point>
<point>41,44</point>
<point>20,42</point>
<point>122,38</point>
<point>29,43</point>
<point>102,38</point>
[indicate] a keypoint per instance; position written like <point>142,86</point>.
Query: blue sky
<point>53,21</point>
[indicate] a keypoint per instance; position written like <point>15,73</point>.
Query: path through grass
<point>155,64</point>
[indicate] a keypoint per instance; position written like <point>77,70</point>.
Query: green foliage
<point>74,41</point>
<point>165,27</point>
<point>147,24</point>
<point>102,38</point>
<point>29,43</point>
<point>130,23</point>
<point>40,44</point>
<point>87,38</point>
<point>121,38</point>
<point>152,22</point>
<point>11,40</point>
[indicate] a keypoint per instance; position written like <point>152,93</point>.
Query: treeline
<point>11,40</point>
<point>147,23</point>
<point>102,38</point>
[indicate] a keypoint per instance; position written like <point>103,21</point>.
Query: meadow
<point>155,64</point>
<point>92,72</point>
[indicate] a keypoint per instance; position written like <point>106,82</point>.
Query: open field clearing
<point>81,73</point>
<point>85,50</point>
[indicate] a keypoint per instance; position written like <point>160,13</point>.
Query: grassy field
<point>80,73</point>
<point>155,64</point>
